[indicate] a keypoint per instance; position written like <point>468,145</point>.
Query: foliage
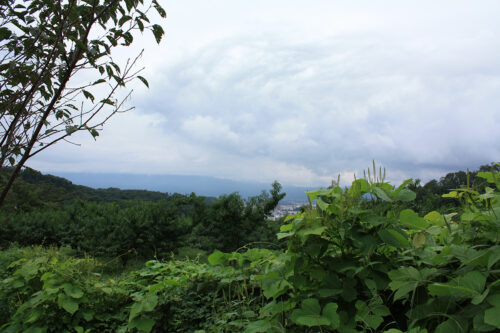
<point>231,222</point>
<point>33,190</point>
<point>358,260</point>
<point>48,292</point>
<point>354,266</point>
<point>147,229</point>
<point>56,54</point>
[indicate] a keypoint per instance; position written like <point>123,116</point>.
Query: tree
<point>232,222</point>
<point>48,51</point>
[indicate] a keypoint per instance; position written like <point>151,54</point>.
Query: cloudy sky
<point>301,91</point>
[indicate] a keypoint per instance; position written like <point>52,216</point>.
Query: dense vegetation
<point>367,258</point>
<point>33,190</point>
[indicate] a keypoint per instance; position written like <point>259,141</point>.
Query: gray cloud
<point>415,88</point>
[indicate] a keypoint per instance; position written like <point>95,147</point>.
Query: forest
<point>370,257</point>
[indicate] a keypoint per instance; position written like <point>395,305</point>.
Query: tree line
<point>148,229</point>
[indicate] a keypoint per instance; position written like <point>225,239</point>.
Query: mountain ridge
<point>183,184</point>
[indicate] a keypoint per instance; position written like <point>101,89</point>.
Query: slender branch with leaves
<point>55,55</point>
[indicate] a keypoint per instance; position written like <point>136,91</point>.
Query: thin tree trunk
<point>48,111</point>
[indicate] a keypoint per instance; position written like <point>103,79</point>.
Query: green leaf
<point>435,218</point>
<point>330,312</point>
<point>67,303</point>
<point>143,80</point>
<point>492,317</point>
<point>381,194</point>
<point>442,289</point>
<point>494,257</point>
<point>94,133</point>
<point>366,315</point>
<point>473,280</point>
<point>159,9</point>
<point>322,205</point>
<point>407,279</point>
<point>217,258</point>
<point>448,326</point>
<point>124,19</point>
<point>309,320</point>
<point>258,326</point>
<point>394,238</point>
<point>311,306</point>
<point>146,304</point>
<point>418,240</point>
<point>88,95</point>
<point>72,290</point>
<point>157,32</point>
<point>406,195</point>
<point>4,33</point>
<point>142,324</point>
<point>487,175</point>
<point>411,220</point>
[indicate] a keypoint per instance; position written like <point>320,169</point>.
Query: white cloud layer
<point>301,92</point>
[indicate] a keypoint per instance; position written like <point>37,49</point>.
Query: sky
<point>303,91</point>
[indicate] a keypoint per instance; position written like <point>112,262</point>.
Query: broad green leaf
<point>282,235</point>
<point>311,230</point>
<point>452,194</point>
<point>435,218</point>
<point>492,316</point>
<point>473,280</point>
<point>367,316</point>
<point>418,240</point>
<point>411,220</point>
<point>375,220</point>
<point>72,290</point>
<point>308,320</point>
<point>494,300</point>
<point>405,195</point>
<point>401,187</point>
<point>450,325</point>
<point>494,257</point>
<point>146,304</point>
<point>330,312</point>
<point>322,205</point>
<point>407,279</point>
<point>381,194</point>
<point>441,289</point>
<point>487,175</point>
<point>142,324</point>
<point>311,306</point>
<point>394,238</point>
<point>217,258</point>
<point>362,185</point>
<point>309,314</point>
<point>67,303</point>
<point>258,326</point>
<point>313,195</point>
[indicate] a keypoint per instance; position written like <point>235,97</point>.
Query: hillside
<point>36,190</point>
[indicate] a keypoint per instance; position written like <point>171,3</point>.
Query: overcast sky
<point>301,91</point>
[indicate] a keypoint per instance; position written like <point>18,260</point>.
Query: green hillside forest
<point>370,257</point>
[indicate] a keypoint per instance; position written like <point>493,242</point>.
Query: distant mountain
<point>200,185</point>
